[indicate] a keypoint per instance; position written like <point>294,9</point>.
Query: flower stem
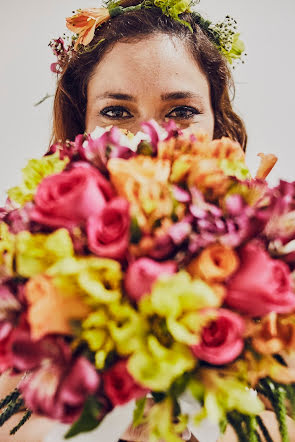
<point>11,397</point>
<point>23,420</point>
<point>290,390</point>
<point>281,413</point>
<point>277,396</point>
<point>10,410</point>
<point>264,430</point>
<point>236,422</point>
<point>251,424</point>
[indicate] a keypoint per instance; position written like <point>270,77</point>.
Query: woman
<point>141,65</point>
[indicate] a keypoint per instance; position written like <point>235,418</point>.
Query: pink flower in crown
<point>119,385</point>
<point>108,232</point>
<point>57,384</point>
<point>69,198</point>
<point>142,274</point>
<point>261,284</point>
<point>222,340</point>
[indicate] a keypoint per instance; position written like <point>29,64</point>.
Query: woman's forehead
<point>155,63</point>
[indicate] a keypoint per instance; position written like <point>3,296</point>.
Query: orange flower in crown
<point>84,23</point>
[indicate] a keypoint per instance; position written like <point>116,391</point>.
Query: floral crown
<point>84,23</point>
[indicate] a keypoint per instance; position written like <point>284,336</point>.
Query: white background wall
<point>265,84</point>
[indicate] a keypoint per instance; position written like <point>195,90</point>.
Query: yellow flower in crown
<point>84,23</point>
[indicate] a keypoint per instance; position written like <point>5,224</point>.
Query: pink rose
<point>68,198</point>
<point>222,340</point>
<point>120,386</point>
<point>108,232</point>
<point>141,275</point>
<point>261,284</point>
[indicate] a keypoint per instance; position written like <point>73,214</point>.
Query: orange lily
<point>50,311</point>
<point>267,162</point>
<point>84,23</point>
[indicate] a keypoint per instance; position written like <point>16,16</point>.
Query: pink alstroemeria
<point>110,144</point>
<point>172,129</point>
<point>281,224</point>
<point>155,132</point>
<point>58,384</point>
<point>10,308</point>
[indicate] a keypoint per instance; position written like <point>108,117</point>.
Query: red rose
<point>142,273</point>
<point>222,340</point>
<point>261,284</point>
<point>108,232</point>
<point>120,386</point>
<point>68,198</point>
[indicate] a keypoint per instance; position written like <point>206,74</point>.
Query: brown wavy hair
<point>71,94</point>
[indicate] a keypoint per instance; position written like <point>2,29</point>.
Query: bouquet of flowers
<point>148,265</point>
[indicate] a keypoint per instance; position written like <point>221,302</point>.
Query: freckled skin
<point>146,70</point>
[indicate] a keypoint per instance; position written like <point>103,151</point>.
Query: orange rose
<point>215,264</point>
<point>85,22</point>
<point>50,311</point>
<point>273,334</point>
<point>143,181</point>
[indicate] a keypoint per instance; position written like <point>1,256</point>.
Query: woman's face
<point>153,78</point>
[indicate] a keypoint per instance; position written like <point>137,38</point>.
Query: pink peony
<point>108,232</point>
<point>261,284</point>
<point>119,385</point>
<point>222,340</point>
<point>67,199</point>
<point>142,273</point>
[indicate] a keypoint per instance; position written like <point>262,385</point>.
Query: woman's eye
<point>116,113</point>
<point>183,112</point>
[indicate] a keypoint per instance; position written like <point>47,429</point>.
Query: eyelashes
<point>180,113</point>
<point>184,112</point>
<point>118,111</point>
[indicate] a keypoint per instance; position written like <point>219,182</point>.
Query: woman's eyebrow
<point>116,96</point>
<point>180,95</point>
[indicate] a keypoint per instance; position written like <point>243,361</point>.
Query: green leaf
<point>138,411</point>
<point>88,420</point>
<point>135,232</point>
<point>179,385</point>
<point>145,148</point>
